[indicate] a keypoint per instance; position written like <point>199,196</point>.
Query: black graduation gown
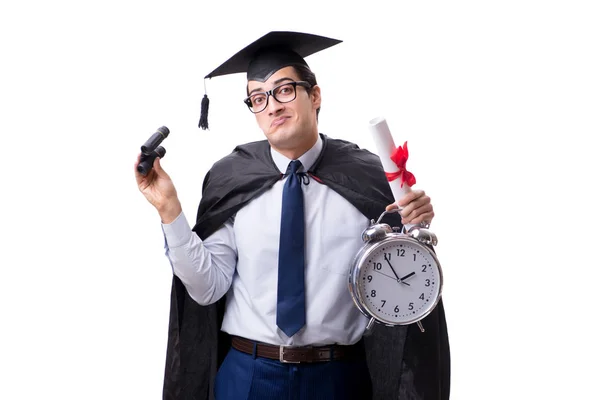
<point>404,363</point>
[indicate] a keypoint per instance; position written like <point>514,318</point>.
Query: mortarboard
<point>267,55</point>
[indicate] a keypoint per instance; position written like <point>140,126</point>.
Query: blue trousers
<point>245,377</point>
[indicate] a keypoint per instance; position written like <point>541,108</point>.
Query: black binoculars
<point>151,150</point>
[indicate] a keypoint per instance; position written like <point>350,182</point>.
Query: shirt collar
<point>307,159</point>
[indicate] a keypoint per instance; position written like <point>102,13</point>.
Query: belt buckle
<point>282,358</point>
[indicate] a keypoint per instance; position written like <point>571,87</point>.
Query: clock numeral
<point>396,309</point>
<point>411,306</point>
<point>376,265</point>
<point>382,303</point>
<point>400,252</point>
<point>373,293</point>
<point>370,278</point>
<point>414,257</point>
<point>424,268</point>
<point>387,256</point>
<point>427,282</point>
<point>422,296</point>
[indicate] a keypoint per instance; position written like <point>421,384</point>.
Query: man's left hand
<point>416,208</point>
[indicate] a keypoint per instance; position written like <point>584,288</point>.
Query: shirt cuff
<point>178,232</point>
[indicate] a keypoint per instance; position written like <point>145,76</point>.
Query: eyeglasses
<point>284,93</point>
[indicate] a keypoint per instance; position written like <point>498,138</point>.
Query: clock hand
<point>390,264</point>
<point>407,276</point>
<point>397,278</point>
<point>391,277</point>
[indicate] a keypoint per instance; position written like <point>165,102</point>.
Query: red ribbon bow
<point>399,157</point>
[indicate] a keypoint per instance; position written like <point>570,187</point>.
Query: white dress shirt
<point>241,260</point>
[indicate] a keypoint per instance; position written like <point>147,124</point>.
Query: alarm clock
<point>396,278</point>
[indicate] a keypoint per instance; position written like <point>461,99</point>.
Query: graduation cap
<point>267,55</point>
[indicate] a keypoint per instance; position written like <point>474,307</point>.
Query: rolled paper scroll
<point>392,158</point>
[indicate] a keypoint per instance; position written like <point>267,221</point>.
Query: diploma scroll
<point>399,178</point>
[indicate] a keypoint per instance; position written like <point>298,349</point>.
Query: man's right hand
<point>159,190</point>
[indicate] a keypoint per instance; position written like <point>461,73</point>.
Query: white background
<point>499,102</point>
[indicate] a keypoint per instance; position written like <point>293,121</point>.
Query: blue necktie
<point>290,285</point>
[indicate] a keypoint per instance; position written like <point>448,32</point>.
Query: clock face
<point>399,281</point>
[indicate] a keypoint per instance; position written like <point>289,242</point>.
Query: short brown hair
<point>307,75</point>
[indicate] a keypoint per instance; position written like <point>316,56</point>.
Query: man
<point>260,303</point>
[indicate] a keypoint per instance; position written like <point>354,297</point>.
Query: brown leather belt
<point>306,354</point>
